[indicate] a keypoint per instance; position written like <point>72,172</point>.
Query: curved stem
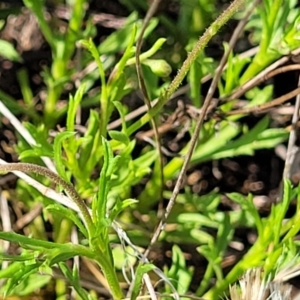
<point>201,44</point>
<point>174,85</point>
<point>99,256</point>
<point>28,168</point>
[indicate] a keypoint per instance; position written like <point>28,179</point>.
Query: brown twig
<point>266,77</point>
<point>184,89</point>
<point>292,148</point>
<point>199,123</point>
<point>28,217</point>
<point>257,79</point>
<point>266,106</point>
<point>152,9</point>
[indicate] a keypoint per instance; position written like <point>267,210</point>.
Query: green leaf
<point>248,205</point>
<point>280,211</point>
<point>205,150</point>
<point>293,224</point>
<point>86,160</point>
<point>118,70</point>
<point>194,77</point>
<point>141,270</point>
<point>119,136</point>
<point>179,273</point>
<point>67,213</point>
<point>122,112</point>
<point>37,151</point>
<point>99,204</point>
<point>11,269</point>
<point>58,157</point>
<point>20,275</point>
<point>74,103</point>
<point>145,55</point>
<point>74,280</point>
<point>50,249</point>
<point>120,206</point>
<point>32,283</point>
<point>8,51</point>
<point>198,219</point>
<point>29,242</point>
<point>89,44</point>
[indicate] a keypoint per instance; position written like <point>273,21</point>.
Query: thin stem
<point>28,168</point>
<point>193,55</point>
<point>147,101</point>
<point>292,148</point>
<point>110,275</point>
<point>201,44</point>
<point>265,106</point>
<point>247,85</point>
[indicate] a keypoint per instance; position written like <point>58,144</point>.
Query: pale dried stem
<point>200,121</point>
<point>24,133</point>
<point>259,77</point>
<point>292,148</point>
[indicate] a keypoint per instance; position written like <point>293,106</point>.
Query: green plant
<point>95,229</point>
<point>73,156</point>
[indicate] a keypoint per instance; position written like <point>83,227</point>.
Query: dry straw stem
<point>253,285</point>
<point>6,226</point>
<point>212,30</point>
<point>292,148</point>
<point>24,133</point>
<point>48,192</point>
<point>151,11</point>
<point>266,106</point>
<point>259,77</point>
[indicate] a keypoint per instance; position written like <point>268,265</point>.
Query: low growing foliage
<point>98,171</point>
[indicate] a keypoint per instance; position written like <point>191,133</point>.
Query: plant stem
<point>62,52</point>
<point>110,275</point>
<point>192,56</point>
<point>103,258</point>
<point>28,168</point>
<point>264,57</point>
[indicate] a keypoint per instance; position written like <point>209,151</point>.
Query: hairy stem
<point>28,168</point>
<point>201,44</point>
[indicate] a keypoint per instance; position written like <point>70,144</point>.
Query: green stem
<point>110,275</point>
<point>62,52</point>
<point>200,45</point>
<point>75,24</point>
<point>269,28</point>
<point>50,105</point>
<point>103,258</point>
<point>263,58</point>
